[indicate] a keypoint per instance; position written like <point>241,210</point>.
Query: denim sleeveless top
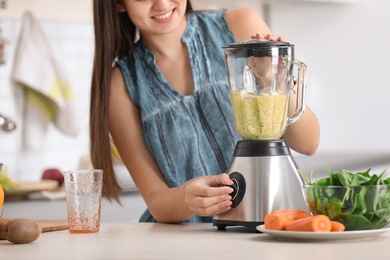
<point>194,135</point>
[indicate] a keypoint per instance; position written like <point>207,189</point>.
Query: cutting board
<point>52,225</point>
<point>46,225</point>
<point>23,189</point>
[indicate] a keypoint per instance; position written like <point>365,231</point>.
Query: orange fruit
<point>1,196</point>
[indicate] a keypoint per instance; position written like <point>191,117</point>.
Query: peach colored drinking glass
<point>83,199</point>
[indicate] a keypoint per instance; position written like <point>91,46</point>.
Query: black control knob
<point>239,188</point>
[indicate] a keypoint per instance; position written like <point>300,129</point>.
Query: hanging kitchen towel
<point>49,97</point>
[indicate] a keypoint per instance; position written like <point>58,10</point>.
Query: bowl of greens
<point>360,200</point>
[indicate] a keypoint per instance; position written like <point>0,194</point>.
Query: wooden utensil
<point>52,225</point>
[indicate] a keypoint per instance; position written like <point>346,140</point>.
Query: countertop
<point>188,241</point>
<point>130,211</point>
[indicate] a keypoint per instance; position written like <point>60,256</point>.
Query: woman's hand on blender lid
<point>270,37</point>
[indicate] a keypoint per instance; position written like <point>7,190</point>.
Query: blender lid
<point>258,48</point>
<point>258,43</point>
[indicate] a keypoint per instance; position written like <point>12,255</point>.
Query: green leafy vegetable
<point>358,200</point>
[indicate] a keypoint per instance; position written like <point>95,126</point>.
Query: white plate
<point>345,235</point>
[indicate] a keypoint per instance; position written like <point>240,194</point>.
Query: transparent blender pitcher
<point>261,81</point>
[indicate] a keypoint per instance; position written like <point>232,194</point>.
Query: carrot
<point>277,220</point>
<point>302,215</point>
<point>274,221</point>
<point>337,226</point>
<point>317,223</point>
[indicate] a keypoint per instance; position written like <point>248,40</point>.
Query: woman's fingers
<point>210,206</point>
<point>213,196</point>
<point>258,36</point>
<point>218,180</point>
<point>270,37</point>
<point>207,196</point>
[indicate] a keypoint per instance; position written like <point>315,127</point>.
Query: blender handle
<point>300,105</point>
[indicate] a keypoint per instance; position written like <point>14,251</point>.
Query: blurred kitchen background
<point>343,42</point>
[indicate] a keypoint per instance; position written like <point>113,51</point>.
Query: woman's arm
<point>244,23</point>
<point>165,204</point>
<point>303,136</point>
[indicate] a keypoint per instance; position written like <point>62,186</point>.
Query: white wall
<point>346,49</point>
<point>344,46</point>
<point>69,10</point>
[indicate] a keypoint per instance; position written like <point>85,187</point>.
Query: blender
<point>265,99</point>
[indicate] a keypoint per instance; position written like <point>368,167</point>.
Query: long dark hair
<point>114,38</point>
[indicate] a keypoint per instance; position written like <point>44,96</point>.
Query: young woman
<point>163,98</point>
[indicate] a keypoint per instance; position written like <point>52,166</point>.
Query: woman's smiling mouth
<point>164,16</point>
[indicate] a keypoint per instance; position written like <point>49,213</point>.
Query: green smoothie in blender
<point>260,116</point>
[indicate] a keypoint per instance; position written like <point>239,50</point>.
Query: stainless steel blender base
<point>271,182</point>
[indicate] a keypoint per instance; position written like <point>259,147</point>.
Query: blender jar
<point>261,82</point>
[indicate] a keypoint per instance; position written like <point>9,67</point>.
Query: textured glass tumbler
<point>83,199</point>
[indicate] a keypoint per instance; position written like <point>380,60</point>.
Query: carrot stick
<point>294,212</point>
<point>274,221</point>
<point>277,220</point>
<point>317,223</point>
<point>302,215</point>
<point>337,226</point>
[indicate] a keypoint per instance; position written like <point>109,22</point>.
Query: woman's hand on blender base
<point>207,196</point>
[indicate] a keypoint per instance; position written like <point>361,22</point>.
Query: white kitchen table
<point>188,241</point>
